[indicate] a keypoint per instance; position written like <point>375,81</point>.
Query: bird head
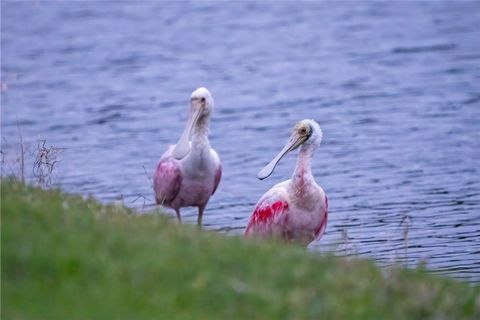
<point>201,100</point>
<point>306,132</point>
<point>201,106</point>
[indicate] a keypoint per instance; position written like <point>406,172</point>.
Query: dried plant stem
<point>22,158</point>
<point>406,222</point>
<point>45,160</point>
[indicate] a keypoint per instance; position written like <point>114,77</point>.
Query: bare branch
<point>45,160</point>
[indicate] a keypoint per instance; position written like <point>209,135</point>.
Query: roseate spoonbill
<point>189,172</point>
<point>294,210</point>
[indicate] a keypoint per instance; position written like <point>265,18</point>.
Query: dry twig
<point>45,160</point>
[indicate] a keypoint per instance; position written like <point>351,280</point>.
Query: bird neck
<point>200,133</point>
<point>303,167</point>
<point>302,176</point>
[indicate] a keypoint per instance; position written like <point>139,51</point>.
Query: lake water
<point>395,87</point>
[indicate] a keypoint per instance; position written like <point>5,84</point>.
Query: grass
<point>64,257</point>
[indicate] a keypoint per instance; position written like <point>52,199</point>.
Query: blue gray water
<point>395,87</point>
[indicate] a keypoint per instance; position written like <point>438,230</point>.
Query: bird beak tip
<point>262,176</point>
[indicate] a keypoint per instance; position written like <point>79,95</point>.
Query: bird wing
<point>218,173</point>
<point>218,176</point>
<point>167,180</point>
<point>323,225</point>
<point>270,209</point>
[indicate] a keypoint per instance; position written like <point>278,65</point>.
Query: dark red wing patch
<point>265,213</point>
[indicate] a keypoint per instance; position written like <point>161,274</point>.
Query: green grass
<point>64,257</point>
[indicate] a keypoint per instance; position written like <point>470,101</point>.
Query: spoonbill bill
<point>189,172</point>
<point>294,210</point>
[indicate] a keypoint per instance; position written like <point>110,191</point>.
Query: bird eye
<point>302,130</point>
<point>202,99</point>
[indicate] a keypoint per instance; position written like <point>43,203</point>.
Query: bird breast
<point>199,164</point>
<point>305,196</point>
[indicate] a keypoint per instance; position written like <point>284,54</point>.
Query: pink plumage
<point>189,172</point>
<point>266,214</point>
<point>167,181</point>
<point>295,210</point>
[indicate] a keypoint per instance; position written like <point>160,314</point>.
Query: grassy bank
<point>68,258</point>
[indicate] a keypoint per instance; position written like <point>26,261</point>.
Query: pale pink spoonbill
<point>294,210</point>
<point>189,172</point>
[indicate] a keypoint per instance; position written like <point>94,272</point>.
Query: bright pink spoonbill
<point>189,172</point>
<point>294,210</point>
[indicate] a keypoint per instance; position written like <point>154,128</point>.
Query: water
<point>395,87</point>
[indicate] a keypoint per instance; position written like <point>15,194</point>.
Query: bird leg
<point>200,214</point>
<point>179,218</point>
